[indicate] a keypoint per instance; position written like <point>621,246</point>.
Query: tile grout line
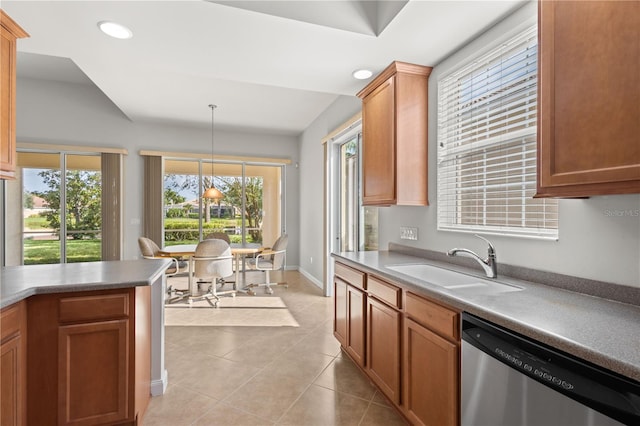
<point>314,308</point>
<point>304,391</point>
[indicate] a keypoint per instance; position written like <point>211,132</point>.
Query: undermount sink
<point>454,281</point>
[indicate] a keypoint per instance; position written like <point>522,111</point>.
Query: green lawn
<point>48,251</point>
<point>185,230</point>
<point>36,222</point>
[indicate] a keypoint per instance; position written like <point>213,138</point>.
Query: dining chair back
<point>271,260</point>
<point>149,250</point>
<point>213,262</point>
<point>218,235</point>
<point>212,258</point>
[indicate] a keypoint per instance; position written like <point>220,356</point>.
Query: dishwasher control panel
<point>532,366</point>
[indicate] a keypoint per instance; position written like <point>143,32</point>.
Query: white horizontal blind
<point>487,145</point>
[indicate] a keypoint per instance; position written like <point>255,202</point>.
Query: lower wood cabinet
<point>383,348</point>
<point>13,368</point>
<point>356,303</point>
<point>91,353</point>
<point>350,311</point>
<point>86,351</point>
<point>349,320</point>
<point>412,344</point>
<point>341,311</point>
<point>430,362</point>
<point>430,377</point>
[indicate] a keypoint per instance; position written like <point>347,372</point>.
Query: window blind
<point>487,145</point>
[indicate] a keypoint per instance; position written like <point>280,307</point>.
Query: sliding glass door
<point>357,224</point>
<point>61,218</point>
<point>250,210</point>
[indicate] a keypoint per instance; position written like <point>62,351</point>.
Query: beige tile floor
<point>230,375</point>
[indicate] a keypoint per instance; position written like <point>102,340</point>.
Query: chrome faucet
<point>490,265</point>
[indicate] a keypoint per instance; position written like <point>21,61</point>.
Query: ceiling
<point>270,66</point>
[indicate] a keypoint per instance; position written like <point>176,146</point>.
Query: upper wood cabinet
<point>394,122</point>
<point>9,32</point>
<point>588,100</point>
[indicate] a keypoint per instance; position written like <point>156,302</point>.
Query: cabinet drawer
<point>350,275</point>
<point>10,319</point>
<point>94,307</point>
<point>433,316</point>
<point>384,291</point>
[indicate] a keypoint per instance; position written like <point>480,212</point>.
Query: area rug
<point>236,312</point>
<point>233,302</point>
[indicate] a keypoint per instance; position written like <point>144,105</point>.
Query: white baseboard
<point>311,278</point>
<point>159,386</point>
<point>307,275</point>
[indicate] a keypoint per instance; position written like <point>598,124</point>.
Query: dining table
<point>238,251</point>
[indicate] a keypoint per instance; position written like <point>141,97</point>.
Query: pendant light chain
<point>212,192</point>
<point>213,108</point>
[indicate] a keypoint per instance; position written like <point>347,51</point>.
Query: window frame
<point>466,155</point>
<point>110,168</point>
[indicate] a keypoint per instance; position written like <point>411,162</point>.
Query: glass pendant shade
<point>213,193</point>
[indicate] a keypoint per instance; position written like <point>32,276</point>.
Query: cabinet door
<point>340,311</point>
<point>13,365</point>
<point>9,32</point>
<point>7,101</point>
<point>378,149</point>
<point>430,377</point>
<point>356,324</point>
<point>12,382</point>
<point>411,129</point>
<point>93,372</point>
<point>383,348</point>
<point>588,109</point>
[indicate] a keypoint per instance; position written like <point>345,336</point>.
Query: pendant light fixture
<point>212,193</point>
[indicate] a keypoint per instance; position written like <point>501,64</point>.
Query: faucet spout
<point>489,264</point>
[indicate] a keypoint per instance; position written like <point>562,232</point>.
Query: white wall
<point>312,185</point>
<point>599,237</point>
<point>70,114</point>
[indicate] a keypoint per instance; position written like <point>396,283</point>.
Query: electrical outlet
<point>408,233</point>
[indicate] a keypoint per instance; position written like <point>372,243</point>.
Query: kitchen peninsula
<point>86,340</point>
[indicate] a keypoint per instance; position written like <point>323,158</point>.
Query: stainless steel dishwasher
<point>510,380</point>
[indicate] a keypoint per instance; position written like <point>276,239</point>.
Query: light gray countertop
<point>601,331</point>
<point>19,282</point>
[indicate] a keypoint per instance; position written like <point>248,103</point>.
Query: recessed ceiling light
<point>362,74</point>
<point>115,30</point>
